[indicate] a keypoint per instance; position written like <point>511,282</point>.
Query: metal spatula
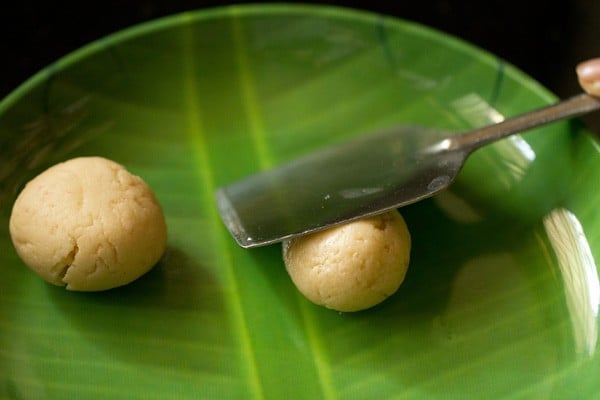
<point>364,176</point>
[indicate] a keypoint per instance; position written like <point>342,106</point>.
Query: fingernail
<point>589,70</point>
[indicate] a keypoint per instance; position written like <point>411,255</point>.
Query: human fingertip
<point>589,70</point>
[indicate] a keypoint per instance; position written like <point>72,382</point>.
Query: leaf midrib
<point>265,159</point>
<point>204,167</point>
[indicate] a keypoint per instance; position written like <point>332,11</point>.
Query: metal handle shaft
<point>573,107</point>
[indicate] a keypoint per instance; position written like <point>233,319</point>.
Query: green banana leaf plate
<point>501,298</point>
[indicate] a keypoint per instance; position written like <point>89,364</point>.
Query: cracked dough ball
<point>88,224</point>
<point>351,267</point>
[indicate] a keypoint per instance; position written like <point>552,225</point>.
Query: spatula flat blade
<point>361,177</point>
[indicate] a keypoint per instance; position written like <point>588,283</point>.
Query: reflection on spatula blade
<point>364,176</point>
<point>357,178</point>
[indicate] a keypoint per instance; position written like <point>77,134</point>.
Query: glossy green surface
<point>501,297</point>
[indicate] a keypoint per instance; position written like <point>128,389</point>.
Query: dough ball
<point>88,224</point>
<point>351,267</point>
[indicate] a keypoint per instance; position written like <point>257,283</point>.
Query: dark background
<point>545,39</point>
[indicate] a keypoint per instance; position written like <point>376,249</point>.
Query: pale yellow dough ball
<point>353,266</point>
<point>88,224</point>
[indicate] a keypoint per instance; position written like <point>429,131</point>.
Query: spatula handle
<point>573,107</point>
